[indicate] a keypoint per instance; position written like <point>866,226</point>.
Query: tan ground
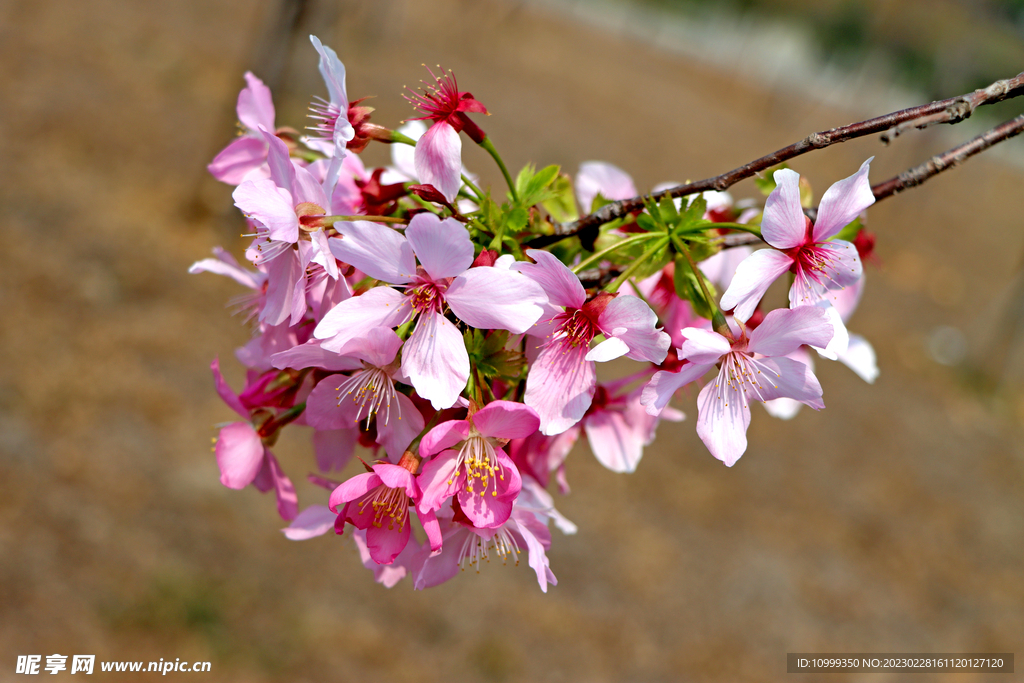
<point>892,521</point>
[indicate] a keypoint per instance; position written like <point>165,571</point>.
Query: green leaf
<point>647,222</point>
<point>655,262</point>
<point>561,204</point>
<point>687,287</point>
<point>524,178</point>
<point>694,213</point>
<point>668,211</point>
<point>516,220</point>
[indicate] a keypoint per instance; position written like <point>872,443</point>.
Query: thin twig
<point>952,110</point>
<point>948,159</point>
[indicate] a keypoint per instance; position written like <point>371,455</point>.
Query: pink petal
<point>395,477</point>
<point>722,421</point>
<point>784,225</point>
<point>239,453</point>
<point>282,171</point>
<point>630,319</point>
<point>784,330</point>
<point>396,432</point>
<point>308,189</point>
<point>615,444</point>
<point>284,294</point>
<point>438,159</point>
<point>703,346</point>
<point>489,298</point>
<point>783,408</point>
<point>225,392</point>
<point>322,406</point>
<point>334,447</point>
<point>610,349</point>
<point>506,420</point>
<point>235,161</point>
<point>378,251</point>
<point>721,267</point>
<point>379,307</point>
<point>255,105</point>
<point>558,282</point>
<point>442,246</point>
<point>843,202</point>
<point>599,177</point>
<point>753,277</point>
<point>786,377</point>
<point>432,529</point>
<point>487,511</point>
<point>312,355</point>
<point>659,391</point>
<point>860,357</point>
<point>378,346</point>
<point>538,540</point>
<point>271,205</point>
<point>386,542</point>
<point>226,265</point>
<point>439,481</point>
<point>435,360</point>
<point>560,387</point>
<point>284,490</point>
<point>444,436</point>
<point>316,520</point>
<point>353,489</point>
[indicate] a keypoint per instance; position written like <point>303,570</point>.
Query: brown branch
<point>952,110</point>
<point>948,159</point>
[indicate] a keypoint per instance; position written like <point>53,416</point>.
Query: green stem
<point>331,220</point>
<point>489,146</point>
<point>595,258</point>
<point>402,138</point>
<point>643,258</point>
<point>717,319</point>
<point>742,227</point>
<point>476,190</point>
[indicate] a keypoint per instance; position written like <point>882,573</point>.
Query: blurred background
<point>890,522</point>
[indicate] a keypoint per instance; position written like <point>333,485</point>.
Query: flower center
<point>325,115</point>
<point>577,328</point>
<point>426,297</point>
<point>481,462</point>
<point>743,375</point>
<point>476,548</point>
<point>389,503</point>
<point>372,389</point>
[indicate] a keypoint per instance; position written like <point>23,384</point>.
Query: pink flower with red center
<point>561,382</point>
<point>751,368</point>
<point>378,502</point>
<point>819,263</point>
<point>434,358</point>
<point>479,472</point>
<point>438,156</point>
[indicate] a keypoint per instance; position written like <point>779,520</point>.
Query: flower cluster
<point>409,312</point>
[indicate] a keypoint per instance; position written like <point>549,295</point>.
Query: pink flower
<point>752,368</point>
<point>248,152</point>
<point>618,427</point>
<point>339,401</point>
<point>561,381</point>
<point>332,114</point>
<point>378,502</point>
<point>600,178</point>
<point>438,155</point>
<point>479,473</point>
<point>242,457</point>
<point>820,264</point>
<point>434,357</point>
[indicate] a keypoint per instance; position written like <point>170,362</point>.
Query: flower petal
<point>610,349</point>
<point>442,246</point>
<point>438,159</point>
<point>753,278</point>
<point>379,307</point>
<point>353,488</point>
<point>784,224</point>
<point>235,161</point>
<point>255,106</point>
<point>444,436</point>
<point>843,202</point>
<point>506,420</point>
<point>490,298</point>
<point>435,360</point>
<point>630,319</point>
<point>271,205</point>
<point>316,520</point>
<point>722,420</point>
<point>560,387</point>
<point>377,250</point>
<point>396,432</point>
<point>703,346</point>
<point>860,357</point>
<point>792,379</point>
<point>659,391</point>
<point>239,453</point>
<point>558,282</point>
<point>615,444</point>
<point>600,177</point>
<point>785,330</point>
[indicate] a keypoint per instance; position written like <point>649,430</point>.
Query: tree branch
<point>952,110</point>
<point>948,159</point>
